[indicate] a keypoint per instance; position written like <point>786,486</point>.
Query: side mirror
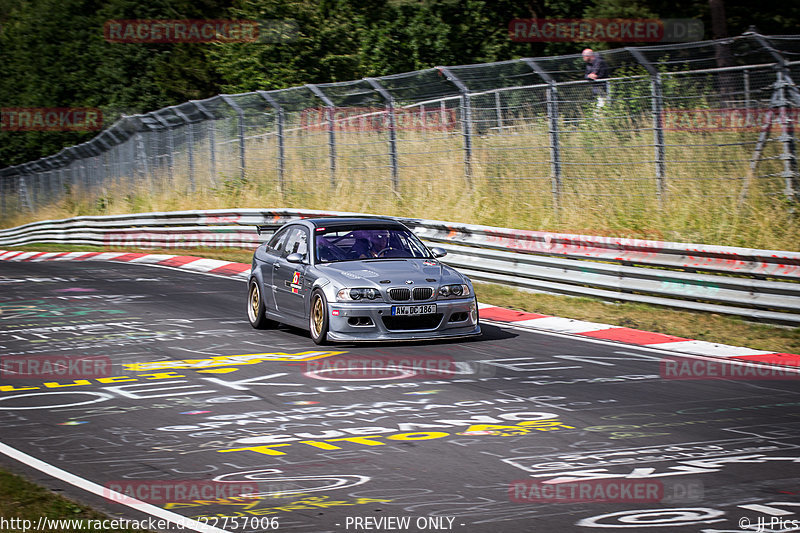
<point>438,252</point>
<point>295,258</point>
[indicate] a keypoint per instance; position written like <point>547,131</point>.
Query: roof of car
<point>353,221</point>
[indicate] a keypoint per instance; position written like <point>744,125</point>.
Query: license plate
<point>410,310</point>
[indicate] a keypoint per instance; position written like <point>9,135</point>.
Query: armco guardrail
<point>758,284</point>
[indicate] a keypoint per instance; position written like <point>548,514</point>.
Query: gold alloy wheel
<point>317,316</point>
<point>255,301</point>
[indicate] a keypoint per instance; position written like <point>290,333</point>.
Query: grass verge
<point>20,499</point>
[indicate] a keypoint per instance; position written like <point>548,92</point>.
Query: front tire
<point>256,313</point>
<point>318,318</point>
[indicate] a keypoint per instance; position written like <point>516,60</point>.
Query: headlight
<point>354,295</point>
<point>455,291</point>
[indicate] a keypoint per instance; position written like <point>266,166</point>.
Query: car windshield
<point>348,244</point>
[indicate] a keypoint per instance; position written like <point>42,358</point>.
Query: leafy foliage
<point>54,53</point>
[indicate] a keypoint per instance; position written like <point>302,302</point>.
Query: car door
<point>265,262</point>
<point>287,278</point>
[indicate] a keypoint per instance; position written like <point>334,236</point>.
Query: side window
<point>275,244</point>
<point>296,242</point>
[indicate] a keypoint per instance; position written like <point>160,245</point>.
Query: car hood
<point>397,271</point>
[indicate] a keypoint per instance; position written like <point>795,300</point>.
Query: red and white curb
<point>634,336</point>
<point>553,324</point>
<point>181,262</point>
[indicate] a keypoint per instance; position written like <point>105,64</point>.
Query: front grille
<point>397,323</point>
<point>400,295</point>
<point>422,293</point>
<point>403,294</point>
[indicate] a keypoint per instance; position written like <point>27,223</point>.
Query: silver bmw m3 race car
<point>358,279</point>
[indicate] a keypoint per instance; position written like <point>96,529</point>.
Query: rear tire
<point>256,312</point>
<point>318,318</point>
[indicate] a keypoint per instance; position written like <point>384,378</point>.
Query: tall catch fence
<point>715,119</point>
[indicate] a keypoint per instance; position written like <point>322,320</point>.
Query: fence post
<point>466,119</point>
<point>552,129</point>
<point>498,111</point>
<point>785,93</point>
<point>788,149</point>
<point>170,146</point>
<point>190,142</point>
<point>331,128</point>
<point>2,194</point>
<point>392,130</point>
<point>211,148</point>
<point>33,187</point>
<point>657,107</point>
<point>658,135</point>
<point>24,197</point>
<point>240,112</point>
<point>84,173</point>
<point>746,76</point>
<point>555,143</point>
<point>281,147</point>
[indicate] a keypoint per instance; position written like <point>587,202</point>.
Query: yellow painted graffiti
<point>523,428</point>
<point>228,360</point>
<point>211,365</point>
<point>311,502</point>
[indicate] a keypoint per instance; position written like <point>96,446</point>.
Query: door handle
<point>276,266</point>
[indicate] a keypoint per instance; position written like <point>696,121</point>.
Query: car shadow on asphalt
<point>489,333</point>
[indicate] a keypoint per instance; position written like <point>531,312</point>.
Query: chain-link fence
<point>714,119</point>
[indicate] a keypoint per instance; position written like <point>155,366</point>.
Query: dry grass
<point>607,187</point>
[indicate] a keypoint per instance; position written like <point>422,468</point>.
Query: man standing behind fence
<point>596,69</point>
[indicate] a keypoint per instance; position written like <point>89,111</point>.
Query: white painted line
<point>107,256</point>
<point>89,486</point>
<point>564,325</point>
<point>204,265</point>
<point>151,258</point>
<point>645,348</point>
<point>709,348</point>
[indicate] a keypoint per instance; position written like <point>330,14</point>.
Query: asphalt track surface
<point>375,437</point>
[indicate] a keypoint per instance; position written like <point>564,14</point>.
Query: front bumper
<point>374,322</point>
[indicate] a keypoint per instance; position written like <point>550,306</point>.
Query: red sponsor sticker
<point>55,367</point>
<point>587,491</point>
<point>50,119</point>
